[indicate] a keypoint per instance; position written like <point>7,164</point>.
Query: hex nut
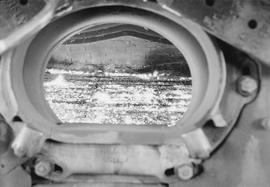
<point>186,171</point>
<point>247,85</point>
<point>43,168</point>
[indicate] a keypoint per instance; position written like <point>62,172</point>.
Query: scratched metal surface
<point>119,98</point>
<point>123,80</point>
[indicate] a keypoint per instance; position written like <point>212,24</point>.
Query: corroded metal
<point>241,160</point>
<point>135,82</point>
<point>136,160</point>
<point>209,71</point>
<point>28,29</point>
<point>244,24</point>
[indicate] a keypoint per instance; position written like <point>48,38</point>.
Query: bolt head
<point>186,171</point>
<point>43,168</point>
<point>265,123</point>
<point>247,85</point>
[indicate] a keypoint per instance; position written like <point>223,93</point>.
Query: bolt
<point>187,171</point>
<point>247,85</point>
<point>43,168</point>
<point>265,123</point>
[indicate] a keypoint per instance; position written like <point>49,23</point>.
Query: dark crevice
<point>169,172</point>
<point>23,2</point>
<point>17,119</point>
<point>210,2</point>
<point>252,24</point>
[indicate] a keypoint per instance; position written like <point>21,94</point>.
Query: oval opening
<point>117,74</point>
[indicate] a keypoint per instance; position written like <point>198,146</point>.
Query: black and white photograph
<point>134,93</point>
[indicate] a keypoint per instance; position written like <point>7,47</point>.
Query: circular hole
<point>118,74</point>
<point>58,169</point>
<point>252,24</point>
<point>169,172</point>
<point>17,119</point>
<point>23,2</point>
<point>210,2</point>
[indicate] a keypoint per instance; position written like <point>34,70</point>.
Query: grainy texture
<point>123,80</point>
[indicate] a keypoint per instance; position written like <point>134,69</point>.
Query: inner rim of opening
<point>118,74</point>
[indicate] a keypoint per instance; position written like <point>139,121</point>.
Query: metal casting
<point>222,137</point>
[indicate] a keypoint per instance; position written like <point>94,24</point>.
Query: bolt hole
<point>252,24</point>
<point>210,2</point>
<point>169,172</point>
<point>58,169</point>
<point>209,124</point>
<point>23,2</point>
<point>2,165</point>
<point>246,71</point>
<point>17,119</point>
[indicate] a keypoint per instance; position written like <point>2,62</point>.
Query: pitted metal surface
<point>222,139</point>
